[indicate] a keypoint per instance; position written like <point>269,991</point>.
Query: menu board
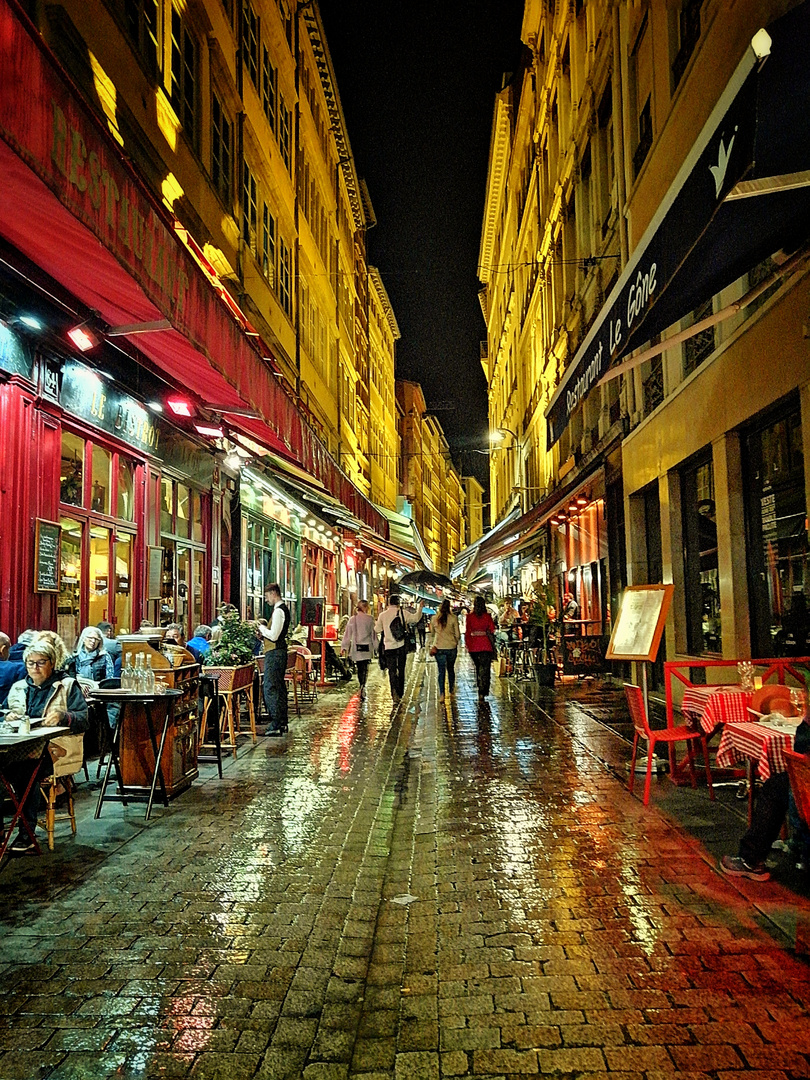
<point>640,622</point>
<point>47,538</point>
<point>155,573</point>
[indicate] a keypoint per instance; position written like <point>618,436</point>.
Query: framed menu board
<point>47,541</point>
<point>155,573</point>
<point>640,623</point>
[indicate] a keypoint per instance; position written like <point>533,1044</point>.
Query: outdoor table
<point>760,746</point>
<point>14,748</point>
<point>148,701</point>
<point>710,706</point>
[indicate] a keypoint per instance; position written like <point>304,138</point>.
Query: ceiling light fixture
<point>180,407</point>
<point>210,430</point>
<point>83,337</point>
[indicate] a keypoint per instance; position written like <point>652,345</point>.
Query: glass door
<point>69,614</point>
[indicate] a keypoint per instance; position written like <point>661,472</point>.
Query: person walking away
<point>275,660</point>
<point>391,624</point>
<point>47,692</point>
<point>360,643</point>
<point>479,638</point>
<point>444,638</point>
<point>421,630</point>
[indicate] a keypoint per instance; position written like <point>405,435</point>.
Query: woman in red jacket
<point>479,638</point>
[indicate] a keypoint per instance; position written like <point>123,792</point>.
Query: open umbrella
<point>426,577</point>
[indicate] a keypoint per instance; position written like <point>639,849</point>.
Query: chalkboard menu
<point>47,538</point>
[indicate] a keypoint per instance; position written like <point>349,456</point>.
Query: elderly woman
<point>91,660</point>
<point>47,692</point>
<point>59,647</point>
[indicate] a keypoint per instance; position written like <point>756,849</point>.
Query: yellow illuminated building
<point>231,113</point>
<point>431,490</point>
<point>614,138</point>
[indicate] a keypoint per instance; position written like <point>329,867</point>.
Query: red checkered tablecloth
<point>762,744</point>
<point>713,705</point>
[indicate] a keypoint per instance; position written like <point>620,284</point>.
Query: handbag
<point>397,628</point>
<point>362,648</point>
<point>381,655</point>
<point>491,638</point>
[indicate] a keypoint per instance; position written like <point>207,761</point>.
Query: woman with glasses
<point>91,660</point>
<point>46,692</point>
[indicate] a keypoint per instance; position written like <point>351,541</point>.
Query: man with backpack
<point>390,626</point>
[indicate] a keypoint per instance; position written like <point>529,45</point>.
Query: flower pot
<point>545,675</point>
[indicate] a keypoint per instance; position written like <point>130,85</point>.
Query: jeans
<point>483,670</point>
<point>395,664</point>
<point>275,688</point>
<point>766,822</point>
<point>362,671</point>
<point>446,663</point>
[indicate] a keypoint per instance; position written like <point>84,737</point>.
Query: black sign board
<point>312,610</point>
<point>87,395</point>
<point>16,355</point>
<point>47,539</point>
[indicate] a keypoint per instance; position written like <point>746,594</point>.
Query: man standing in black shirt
<point>275,660</point>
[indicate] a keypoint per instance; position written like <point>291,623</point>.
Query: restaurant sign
<point>87,395</point>
<point>15,354</point>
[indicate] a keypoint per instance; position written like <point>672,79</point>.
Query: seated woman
<point>47,692</point>
<point>91,660</point>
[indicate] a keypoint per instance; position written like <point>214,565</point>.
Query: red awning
<point>73,205</point>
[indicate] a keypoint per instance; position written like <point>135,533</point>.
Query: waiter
<point>275,660</point>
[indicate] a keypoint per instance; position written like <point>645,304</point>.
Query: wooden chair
<point>67,756</point>
<point>292,679</point>
<point>638,713</point>
<point>798,767</point>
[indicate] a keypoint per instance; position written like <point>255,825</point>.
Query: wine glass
<point>745,669</point>
<point>798,698</point>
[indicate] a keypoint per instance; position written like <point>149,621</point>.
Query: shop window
<point>196,517</point>
<point>166,506</point>
<point>99,579</point>
<point>123,583</point>
<point>183,510</point>
<point>126,490</point>
<point>68,611</point>
<point>701,574</point>
<point>778,550</point>
<point>71,473</point>
<point>101,481</point>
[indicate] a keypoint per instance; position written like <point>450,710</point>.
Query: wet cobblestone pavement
<point>466,892</point>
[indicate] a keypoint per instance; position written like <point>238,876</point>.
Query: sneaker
<point>22,846</point>
<point>734,866</point>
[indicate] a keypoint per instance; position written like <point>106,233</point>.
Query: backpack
<point>397,628</point>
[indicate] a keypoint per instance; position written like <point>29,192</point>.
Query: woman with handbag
<point>444,639</point>
<point>360,642</point>
<point>480,641</point>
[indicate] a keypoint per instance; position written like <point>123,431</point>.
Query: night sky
<point>417,79</point>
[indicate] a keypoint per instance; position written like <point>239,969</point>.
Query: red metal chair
<point>798,767</point>
<point>669,735</point>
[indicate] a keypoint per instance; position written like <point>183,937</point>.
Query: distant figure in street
<point>396,654</point>
<point>360,642</point>
<point>444,638</point>
<point>480,641</point>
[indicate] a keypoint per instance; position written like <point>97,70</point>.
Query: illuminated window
<point>285,134</point>
<point>285,276</point>
<point>269,88</point>
<point>249,209</point>
<point>221,150</point>
<point>71,473</point>
<point>250,43</point>
<point>184,76</point>
<point>268,245</point>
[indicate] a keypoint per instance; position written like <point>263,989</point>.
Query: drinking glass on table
<point>745,670</point>
<point>798,698</point>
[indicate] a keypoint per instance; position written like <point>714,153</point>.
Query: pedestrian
<point>444,638</point>
<point>275,660</point>
<point>391,624</point>
<point>91,660</point>
<point>360,643</point>
<point>47,692</point>
<point>421,630</point>
<point>479,638</point>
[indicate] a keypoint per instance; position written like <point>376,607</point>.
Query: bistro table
<point>761,746</point>
<point>126,698</point>
<point>710,706</point>
<point>15,747</point>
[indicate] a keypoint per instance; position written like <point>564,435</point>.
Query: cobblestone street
<point>468,892</point>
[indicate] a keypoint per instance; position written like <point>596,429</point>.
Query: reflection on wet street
<point>459,891</point>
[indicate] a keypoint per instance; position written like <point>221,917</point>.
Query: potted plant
<point>542,619</point>
<point>231,658</point>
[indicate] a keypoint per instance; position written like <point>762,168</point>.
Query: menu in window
<point>640,622</point>
<point>47,536</point>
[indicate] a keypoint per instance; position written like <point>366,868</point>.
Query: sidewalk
<point>463,892</point>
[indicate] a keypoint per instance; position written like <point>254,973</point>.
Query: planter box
<point>545,675</point>
<point>232,678</point>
